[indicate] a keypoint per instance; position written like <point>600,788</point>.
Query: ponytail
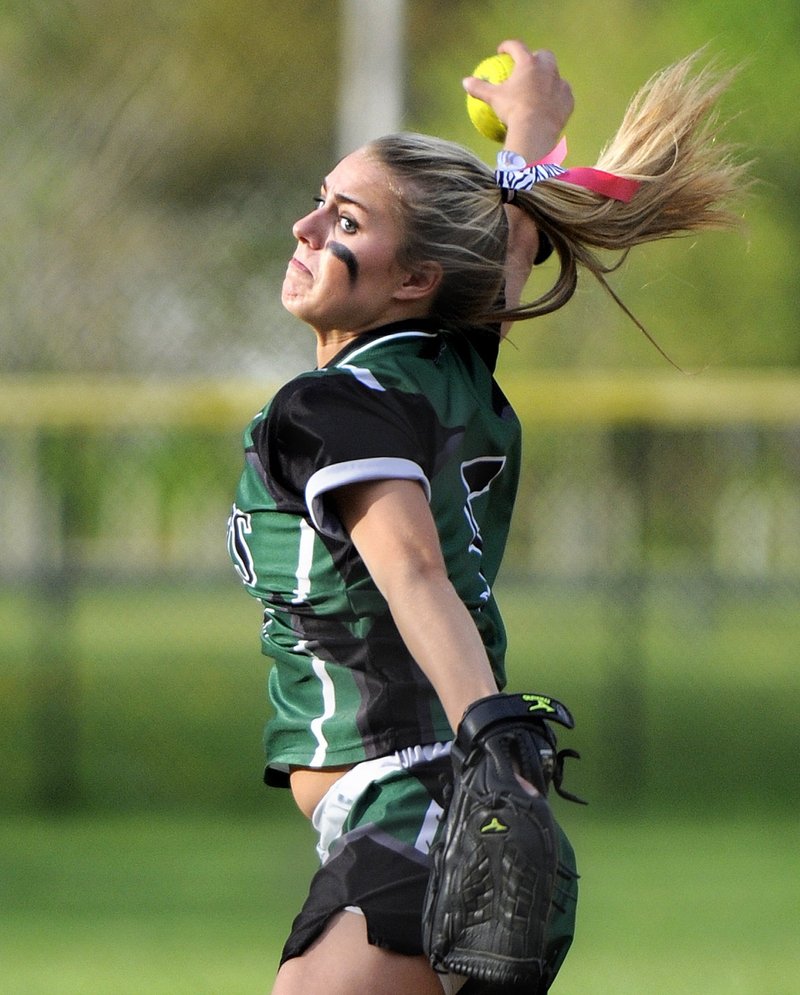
<point>668,143</point>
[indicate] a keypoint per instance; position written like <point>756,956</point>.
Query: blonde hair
<point>450,212</point>
<point>668,141</point>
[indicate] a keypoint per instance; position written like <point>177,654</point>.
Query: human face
<point>344,277</point>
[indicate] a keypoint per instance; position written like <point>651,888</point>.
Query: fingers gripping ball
<point>494,70</point>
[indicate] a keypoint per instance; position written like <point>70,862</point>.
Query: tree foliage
<point>719,300</point>
<point>156,154</point>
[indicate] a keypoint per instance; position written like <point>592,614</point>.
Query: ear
<point>421,282</point>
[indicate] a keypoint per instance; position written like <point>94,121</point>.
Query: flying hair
<point>669,142</point>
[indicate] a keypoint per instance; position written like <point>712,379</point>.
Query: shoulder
<point>320,394</point>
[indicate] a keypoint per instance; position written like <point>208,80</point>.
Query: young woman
<point>373,510</point>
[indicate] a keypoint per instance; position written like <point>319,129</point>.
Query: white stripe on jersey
<point>305,557</point>
<point>328,710</point>
<point>386,338</point>
<point>356,471</point>
<point>363,376</point>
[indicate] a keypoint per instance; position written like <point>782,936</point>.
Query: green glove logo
<point>495,826</point>
<point>538,703</point>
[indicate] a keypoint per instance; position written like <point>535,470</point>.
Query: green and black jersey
<point>404,401</point>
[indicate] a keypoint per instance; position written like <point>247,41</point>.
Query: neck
<point>332,340</point>
<point>329,344</point>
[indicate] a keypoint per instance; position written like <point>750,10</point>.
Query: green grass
<point>178,873</point>
<point>148,905</point>
<point>701,908</point>
<point>169,905</point>
<point>683,699</point>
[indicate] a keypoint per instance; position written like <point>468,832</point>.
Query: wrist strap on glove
<point>529,712</point>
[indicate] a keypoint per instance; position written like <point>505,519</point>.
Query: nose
<point>307,229</point>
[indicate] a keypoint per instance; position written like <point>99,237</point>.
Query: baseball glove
<point>494,864</point>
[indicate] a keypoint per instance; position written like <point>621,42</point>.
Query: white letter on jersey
<point>239,526</point>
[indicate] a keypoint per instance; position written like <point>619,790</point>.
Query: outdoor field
<point>178,873</point>
<point>156,158</point>
<point>172,905</point>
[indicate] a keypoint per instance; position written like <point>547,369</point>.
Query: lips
<point>294,263</point>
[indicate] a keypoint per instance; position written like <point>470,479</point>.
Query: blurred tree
<point>186,98</point>
<point>716,300</point>
<point>155,156</point>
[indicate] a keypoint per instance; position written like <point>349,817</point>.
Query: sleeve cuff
<point>330,478</point>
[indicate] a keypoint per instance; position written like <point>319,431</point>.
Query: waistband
<point>333,808</point>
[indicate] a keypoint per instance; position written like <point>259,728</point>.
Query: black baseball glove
<point>494,865</point>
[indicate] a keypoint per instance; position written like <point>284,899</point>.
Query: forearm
<point>534,103</point>
<point>442,637</point>
<point>531,132</point>
<point>523,246</point>
<point>391,526</point>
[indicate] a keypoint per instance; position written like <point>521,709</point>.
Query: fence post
<point>631,448</point>
<point>54,689</point>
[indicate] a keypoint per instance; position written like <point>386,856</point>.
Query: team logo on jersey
<point>240,526</point>
<point>478,476</point>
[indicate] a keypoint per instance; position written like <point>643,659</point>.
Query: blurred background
<point>154,157</point>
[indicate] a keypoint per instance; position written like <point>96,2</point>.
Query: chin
<point>296,309</point>
<point>291,303</point>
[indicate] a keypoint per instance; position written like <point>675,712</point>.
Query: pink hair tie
<point>513,174</point>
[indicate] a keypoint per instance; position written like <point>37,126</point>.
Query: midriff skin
<point>309,786</point>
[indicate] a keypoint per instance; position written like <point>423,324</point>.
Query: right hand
<point>534,102</point>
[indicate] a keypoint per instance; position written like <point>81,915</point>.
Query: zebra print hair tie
<point>513,174</point>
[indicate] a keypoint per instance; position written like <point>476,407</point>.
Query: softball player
<point>373,510</point>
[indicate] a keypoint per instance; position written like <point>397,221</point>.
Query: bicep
<point>391,525</point>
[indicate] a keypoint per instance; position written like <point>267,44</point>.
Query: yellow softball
<point>494,70</point>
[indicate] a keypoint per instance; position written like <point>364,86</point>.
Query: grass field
<point>173,871</point>
<point>688,699</point>
<point>169,905</point>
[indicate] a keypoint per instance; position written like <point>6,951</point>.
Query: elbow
<point>412,579</point>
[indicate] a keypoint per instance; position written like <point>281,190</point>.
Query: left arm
<point>391,526</point>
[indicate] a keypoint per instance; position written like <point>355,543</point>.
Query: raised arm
<point>534,103</point>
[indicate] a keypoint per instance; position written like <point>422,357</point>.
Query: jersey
<point>406,401</point>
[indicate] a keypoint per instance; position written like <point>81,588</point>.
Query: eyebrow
<point>343,198</point>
